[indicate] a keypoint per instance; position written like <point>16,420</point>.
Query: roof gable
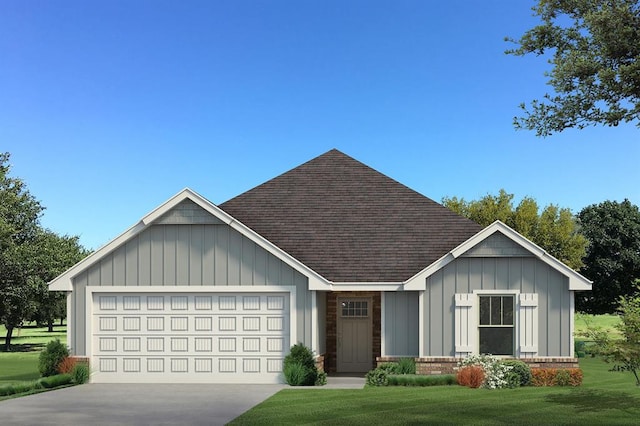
<point>349,222</point>
<point>184,207</point>
<point>576,280</point>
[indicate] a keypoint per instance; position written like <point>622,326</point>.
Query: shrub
<point>299,366</point>
<point>66,365</point>
<point>421,380</point>
<point>520,373</point>
<point>471,376</point>
<point>406,366</point>
<point>495,372</point>
<point>579,348</point>
<point>575,377</point>
<point>562,378</point>
<point>321,379</point>
<point>557,377</point>
<point>51,357</point>
<point>16,388</point>
<point>379,376</point>
<point>80,373</point>
<point>55,381</point>
<point>543,376</point>
<point>296,374</point>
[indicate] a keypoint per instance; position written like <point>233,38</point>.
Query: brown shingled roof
<point>349,222</point>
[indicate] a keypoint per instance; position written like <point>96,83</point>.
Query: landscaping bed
<point>20,368</point>
<point>604,398</point>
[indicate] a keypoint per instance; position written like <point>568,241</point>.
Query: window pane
<point>507,310</point>
<point>485,304</point>
<point>496,341</point>
<point>495,310</point>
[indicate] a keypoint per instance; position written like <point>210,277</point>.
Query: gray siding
<point>497,245</point>
<point>401,319</point>
<point>528,275</point>
<point>190,255</point>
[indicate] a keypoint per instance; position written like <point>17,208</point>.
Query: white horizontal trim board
<point>233,334</point>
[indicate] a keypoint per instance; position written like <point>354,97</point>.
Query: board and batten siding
<point>524,274</point>
<point>401,321</point>
<point>189,255</point>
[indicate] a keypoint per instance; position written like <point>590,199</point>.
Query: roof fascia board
<point>576,280</point>
<point>366,286</point>
<point>63,282</point>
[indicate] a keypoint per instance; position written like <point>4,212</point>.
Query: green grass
<point>605,398</point>
<point>607,322</point>
<point>21,363</point>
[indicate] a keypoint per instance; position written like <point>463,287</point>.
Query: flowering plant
<point>495,373</point>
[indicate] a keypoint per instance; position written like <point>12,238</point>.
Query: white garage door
<point>189,337</point>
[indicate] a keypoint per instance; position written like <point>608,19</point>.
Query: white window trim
<point>467,342</point>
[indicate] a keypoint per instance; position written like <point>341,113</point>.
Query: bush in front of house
<point>66,365</point>
<point>80,373</point>
<point>406,366</point>
<point>421,380</point>
<point>556,377</point>
<point>495,372</point>
<point>379,376</point>
<point>55,381</point>
<point>299,367</point>
<point>51,357</point>
<point>520,373</point>
<point>471,376</point>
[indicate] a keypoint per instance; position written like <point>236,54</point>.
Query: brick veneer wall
<point>448,365</point>
<point>320,362</point>
<point>330,364</point>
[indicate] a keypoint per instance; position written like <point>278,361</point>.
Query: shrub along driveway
<point>111,404</point>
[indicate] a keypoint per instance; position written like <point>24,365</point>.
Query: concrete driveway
<point>133,404</point>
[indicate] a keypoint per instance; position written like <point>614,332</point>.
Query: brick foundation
<point>330,363</point>
<point>448,365</point>
<point>320,362</point>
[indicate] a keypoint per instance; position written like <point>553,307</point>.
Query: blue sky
<point>111,107</point>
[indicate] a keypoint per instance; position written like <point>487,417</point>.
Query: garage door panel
<point>196,338</point>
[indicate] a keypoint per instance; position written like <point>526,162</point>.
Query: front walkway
<point>344,382</point>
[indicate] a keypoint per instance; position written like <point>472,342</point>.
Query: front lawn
<point>605,398</point>
<point>21,363</point>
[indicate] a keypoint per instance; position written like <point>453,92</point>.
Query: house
<point>333,254</point>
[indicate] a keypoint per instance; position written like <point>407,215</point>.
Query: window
<point>496,329</point>
<point>355,309</point>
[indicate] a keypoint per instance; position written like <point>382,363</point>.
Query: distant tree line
<point>30,256</point>
<point>602,241</point>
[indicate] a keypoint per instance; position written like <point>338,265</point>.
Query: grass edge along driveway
<point>605,398</point>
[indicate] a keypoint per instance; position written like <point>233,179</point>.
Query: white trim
<point>421,314</point>
<point>192,289</point>
<point>90,290</point>
<point>382,323</point>
<point>465,324</point>
<point>70,340</point>
<point>315,342</point>
<point>576,280</point>
<point>572,329</point>
<point>365,286</point>
<point>64,281</point>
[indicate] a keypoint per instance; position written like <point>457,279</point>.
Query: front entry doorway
<point>354,333</point>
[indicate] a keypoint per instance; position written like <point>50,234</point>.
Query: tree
<point>623,353</point>
<point>554,229</point>
<point>613,255</point>
<point>19,221</point>
<point>51,255</point>
<point>595,67</point>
